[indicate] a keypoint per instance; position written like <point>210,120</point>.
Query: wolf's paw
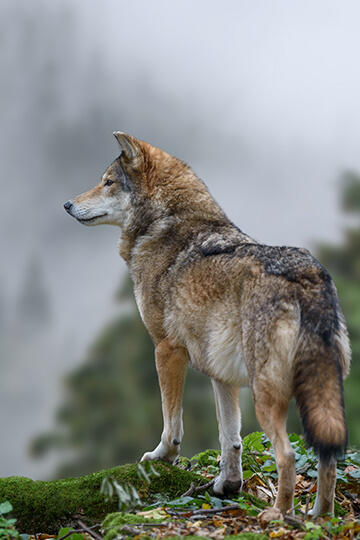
<point>162,452</point>
<point>269,514</point>
<point>227,487</point>
<point>321,509</point>
<point>314,511</point>
<point>154,456</point>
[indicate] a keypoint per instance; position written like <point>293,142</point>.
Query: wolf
<point>243,313</point>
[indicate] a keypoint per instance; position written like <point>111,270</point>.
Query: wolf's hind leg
<point>324,502</point>
<point>171,365</point>
<point>228,415</point>
<point>271,412</point>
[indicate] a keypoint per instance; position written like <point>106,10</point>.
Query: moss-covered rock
<point>45,507</point>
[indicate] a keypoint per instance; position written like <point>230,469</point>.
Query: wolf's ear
<point>129,148</point>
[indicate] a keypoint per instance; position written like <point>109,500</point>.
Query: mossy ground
<point>112,528</point>
<point>45,507</point>
<point>113,523</point>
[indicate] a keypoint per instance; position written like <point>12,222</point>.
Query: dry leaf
<point>278,532</point>
<point>264,494</point>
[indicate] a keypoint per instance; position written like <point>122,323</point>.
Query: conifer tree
<point>343,263</point>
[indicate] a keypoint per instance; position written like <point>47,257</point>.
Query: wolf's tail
<point>318,390</point>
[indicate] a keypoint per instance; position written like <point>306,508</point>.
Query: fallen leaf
<point>218,534</point>
<point>155,513</point>
<point>278,532</point>
<point>265,494</point>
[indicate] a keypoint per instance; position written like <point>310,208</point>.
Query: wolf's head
<point>141,176</point>
<point>148,194</point>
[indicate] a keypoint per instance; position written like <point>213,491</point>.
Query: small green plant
<point>7,529</point>
<point>128,496</point>
<point>146,471</point>
<point>73,536</point>
<point>314,532</point>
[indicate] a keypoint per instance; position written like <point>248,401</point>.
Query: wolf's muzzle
<point>68,206</point>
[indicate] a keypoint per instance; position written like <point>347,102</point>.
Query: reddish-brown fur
<point>241,312</point>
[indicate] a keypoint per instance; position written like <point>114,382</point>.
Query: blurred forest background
<point>262,101</point>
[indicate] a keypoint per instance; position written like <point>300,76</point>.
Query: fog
<point>260,98</point>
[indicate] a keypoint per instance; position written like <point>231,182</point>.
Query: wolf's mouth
<point>89,220</point>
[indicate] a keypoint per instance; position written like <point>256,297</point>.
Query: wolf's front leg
<point>171,365</point>
<point>228,415</point>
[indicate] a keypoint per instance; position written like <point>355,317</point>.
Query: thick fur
<point>241,312</point>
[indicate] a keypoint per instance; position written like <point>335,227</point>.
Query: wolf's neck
<point>188,215</point>
<point>165,238</point>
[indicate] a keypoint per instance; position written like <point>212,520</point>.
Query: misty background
<point>261,99</point>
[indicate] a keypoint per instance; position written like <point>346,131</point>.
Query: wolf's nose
<point>68,205</point>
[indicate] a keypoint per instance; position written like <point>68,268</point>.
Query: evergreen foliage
<point>343,263</point>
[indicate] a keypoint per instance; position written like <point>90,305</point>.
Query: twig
<point>307,506</point>
<point>90,531</point>
<point>150,525</point>
<point>84,528</point>
<point>289,512</point>
<point>291,520</point>
<point>129,530</point>
<point>200,512</point>
<point>145,525</point>
<point>175,513</point>
<point>68,534</point>
<point>192,489</point>
<point>204,486</point>
<point>209,511</point>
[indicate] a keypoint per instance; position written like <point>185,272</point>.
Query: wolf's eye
<point>108,183</point>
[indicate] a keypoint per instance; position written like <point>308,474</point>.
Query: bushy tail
<point>318,390</point>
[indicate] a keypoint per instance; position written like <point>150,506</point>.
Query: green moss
<point>117,518</point>
<point>339,511</point>
<point>207,458</point>
<point>111,526</point>
<point>47,506</point>
<point>254,501</point>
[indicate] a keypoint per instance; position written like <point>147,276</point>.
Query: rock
<point>46,507</point>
